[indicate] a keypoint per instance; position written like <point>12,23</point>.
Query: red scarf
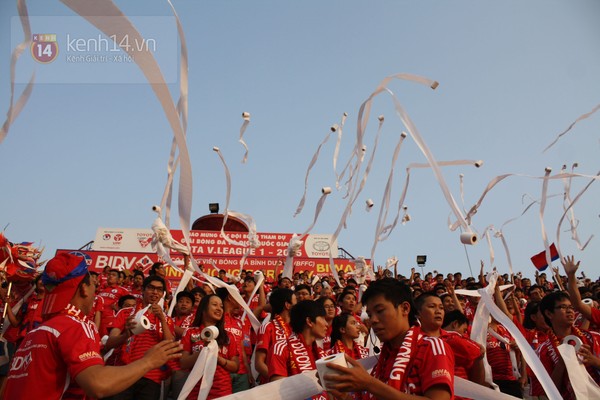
<point>357,351</point>
<point>302,358</point>
<point>394,373</point>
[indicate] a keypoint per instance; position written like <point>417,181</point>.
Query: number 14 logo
<point>44,47</point>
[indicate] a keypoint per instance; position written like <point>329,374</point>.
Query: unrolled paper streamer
<point>582,383</point>
<point>573,222</point>
<point>15,108</point>
<point>296,241</point>
<point>310,165</point>
<point>542,208</point>
<point>118,27</point>
<point>584,116</point>
<point>182,110</point>
<point>322,368</point>
<point>471,390</point>
<point>565,213</point>
<point>530,357</point>
<point>246,117</point>
<point>204,368</point>
<point>336,152</point>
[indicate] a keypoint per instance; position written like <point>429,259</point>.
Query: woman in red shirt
<point>210,313</point>
<point>344,331</point>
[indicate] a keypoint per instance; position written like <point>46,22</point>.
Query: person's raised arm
<point>100,381</point>
<point>571,267</point>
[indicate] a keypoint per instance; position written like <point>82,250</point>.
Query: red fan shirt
<point>51,357</point>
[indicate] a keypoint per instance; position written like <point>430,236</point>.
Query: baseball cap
<point>61,277</point>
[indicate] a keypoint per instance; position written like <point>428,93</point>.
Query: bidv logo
<point>144,261</point>
<point>21,362</point>
<point>321,245</point>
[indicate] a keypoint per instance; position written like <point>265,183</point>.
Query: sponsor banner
<point>270,266</point>
<point>211,242</point>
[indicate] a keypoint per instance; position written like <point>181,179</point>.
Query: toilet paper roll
<point>142,324</point>
<point>588,302</point>
<point>322,368</point>
<point>572,338</point>
<point>326,190</point>
<point>369,203</point>
<point>468,238</point>
<point>210,333</point>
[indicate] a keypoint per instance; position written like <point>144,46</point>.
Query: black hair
<point>185,293</point>
<point>302,310</point>
<point>138,272</point>
<point>223,338</point>
<point>300,287</point>
<point>419,301</point>
<point>279,297</point>
<point>455,315</point>
<point>153,278</point>
<point>123,299</point>
<point>549,302</point>
<point>222,293</point>
<point>532,308</point>
<point>198,289</point>
<point>94,273</point>
<point>344,293</point>
<point>393,291</point>
<point>154,267</point>
<point>338,323</point>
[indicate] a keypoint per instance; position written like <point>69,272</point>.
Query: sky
<point>91,147</point>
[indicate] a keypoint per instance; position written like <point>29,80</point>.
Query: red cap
<point>61,277</point>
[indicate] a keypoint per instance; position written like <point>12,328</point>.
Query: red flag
<point>539,260</point>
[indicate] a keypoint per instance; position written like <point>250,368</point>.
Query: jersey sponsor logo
<point>88,356</point>
<point>21,362</point>
<point>439,373</point>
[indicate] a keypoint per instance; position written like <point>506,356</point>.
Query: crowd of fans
<point>418,327</point>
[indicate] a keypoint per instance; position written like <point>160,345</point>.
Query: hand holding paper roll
<point>353,378</point>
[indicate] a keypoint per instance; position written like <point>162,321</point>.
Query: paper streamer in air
<point>336,152</point>
<point>253,242</point>
<point>500,178</point>
<point>182,110</point>
<point>567,210</point>
<point>310,165</point>
<point>15,108</point>
<point>568,206</point>
<point>117,27</point>
<point>204,367</point>
<point>581,117</point>
<point>296,240</point>
<point>542,209</point>
<point>259,279</point>
<point>246,117</point>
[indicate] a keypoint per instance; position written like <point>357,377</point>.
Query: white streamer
<point>246,117</point>
<point>15,108</point>
<point>582,383</point>
<point>584,116</point>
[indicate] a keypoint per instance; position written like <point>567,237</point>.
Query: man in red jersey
<point>409,365</point>
<point>111,294</point>
<point>559,315</point>
<point>281,301</point>
<point>160,328</point>
<point>61,358</point>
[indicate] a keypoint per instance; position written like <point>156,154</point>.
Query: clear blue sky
<point>512,75</point>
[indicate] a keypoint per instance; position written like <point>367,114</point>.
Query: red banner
<point>270,266</point>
